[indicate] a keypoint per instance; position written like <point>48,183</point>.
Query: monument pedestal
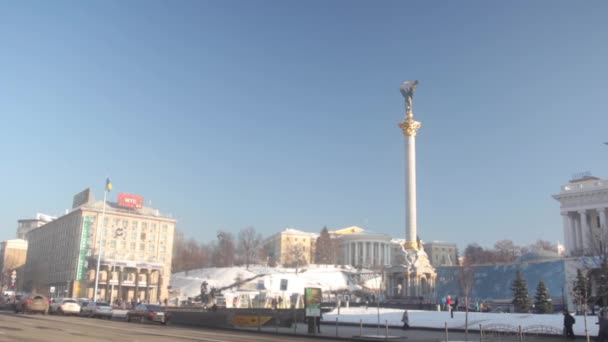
<point>412,278</point>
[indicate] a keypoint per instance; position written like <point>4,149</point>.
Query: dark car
<point>148,313</point>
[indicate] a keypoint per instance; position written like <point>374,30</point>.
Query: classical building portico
<point>365,249</point>
<point>584,205</point>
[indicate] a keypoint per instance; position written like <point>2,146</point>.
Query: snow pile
<point>328,277</point>
<point>189,283</point>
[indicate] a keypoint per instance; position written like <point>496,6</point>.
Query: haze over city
<point>284,114</point>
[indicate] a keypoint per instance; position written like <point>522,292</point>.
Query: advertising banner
<point>312,301</point>
<point>130,201</point>
<point>81,269</point>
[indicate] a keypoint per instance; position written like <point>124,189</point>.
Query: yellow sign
<point>250,321</point>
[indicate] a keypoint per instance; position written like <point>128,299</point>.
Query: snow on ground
<point>330,278</point>
<point>189,283</point>
<point>438,319</point>
<point>327,277</point>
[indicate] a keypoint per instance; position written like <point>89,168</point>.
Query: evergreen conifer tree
<point>542,301</point>
<point>521,300</point>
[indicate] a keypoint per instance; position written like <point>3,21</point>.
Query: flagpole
<point>101,238</point>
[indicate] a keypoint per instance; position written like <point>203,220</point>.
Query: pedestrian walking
<point>448,303</point>
<point>406,320</point>
<point>568,323</point>
<point>443,303</point>
<point>318,322</point>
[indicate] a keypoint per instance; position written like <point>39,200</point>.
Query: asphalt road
<point>39,328</point>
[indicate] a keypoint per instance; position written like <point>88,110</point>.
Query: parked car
<point>96,309</point>
<point>32,303</point>
<point>65,306</point>
<point>148,313</point>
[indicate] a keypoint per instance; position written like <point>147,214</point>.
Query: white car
<point>65,306</point>
<point>97,309</point>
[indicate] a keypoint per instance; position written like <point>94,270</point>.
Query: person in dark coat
<point>568,323</point>
<point>318,322</point>
<point>406,320</point>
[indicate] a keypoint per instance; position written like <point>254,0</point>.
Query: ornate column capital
<point>410,245</point>
<point>564,213</point>
<point>410,127</point>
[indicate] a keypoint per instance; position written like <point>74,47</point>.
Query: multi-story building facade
<point>441,253</point>
<point>291,246</point>
<point>12,259</point>
<point>26,225</point>
<point>135,245</point>
<point>583,205</point>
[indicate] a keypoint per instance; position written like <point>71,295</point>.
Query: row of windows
<point>124,224</point>
<point>134,246</point>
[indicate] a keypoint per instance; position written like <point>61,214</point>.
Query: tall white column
<point>585,230</point>
<point>579,231</point>
<point>373,254</point>
<point>602,213</point>
<point>573,233</point>
<point>409,128</point>
<point>345,254</point>
<point>411,217</point>
<point>567,235</point>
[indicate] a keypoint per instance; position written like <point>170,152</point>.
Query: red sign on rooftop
<point>130,201</point>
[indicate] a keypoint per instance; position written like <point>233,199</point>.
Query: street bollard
<point>276,323</point>
<point>336,326</point>
<point>259,321</point>
<point>446,332</point>
<point>295,321</point>
<point>360,327</point>
<point>386,330</point>
<point>480,333</point>
<point>520,336</point>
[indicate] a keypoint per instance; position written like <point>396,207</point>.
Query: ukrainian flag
<point>108,184</point>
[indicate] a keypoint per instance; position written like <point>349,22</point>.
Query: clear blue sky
<point>279,114</point>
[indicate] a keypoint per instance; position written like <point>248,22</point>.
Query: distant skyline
<point>276,114</point>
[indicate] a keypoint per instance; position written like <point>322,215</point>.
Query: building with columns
<point>361,248</point>
<point>137,244</point>
<point>583,206</point>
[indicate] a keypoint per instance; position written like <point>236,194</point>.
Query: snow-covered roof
<point>293,231</point>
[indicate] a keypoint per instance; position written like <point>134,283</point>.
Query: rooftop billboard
<point>130,201</point>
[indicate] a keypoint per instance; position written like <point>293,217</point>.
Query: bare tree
<point>506,251</point>
<point>544,245</point>
<point>296,258</point>
<point>465,278</point>
<point>223,254</point>
<point>249,245</point>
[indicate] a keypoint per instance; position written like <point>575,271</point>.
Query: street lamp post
<point>101,242</point>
